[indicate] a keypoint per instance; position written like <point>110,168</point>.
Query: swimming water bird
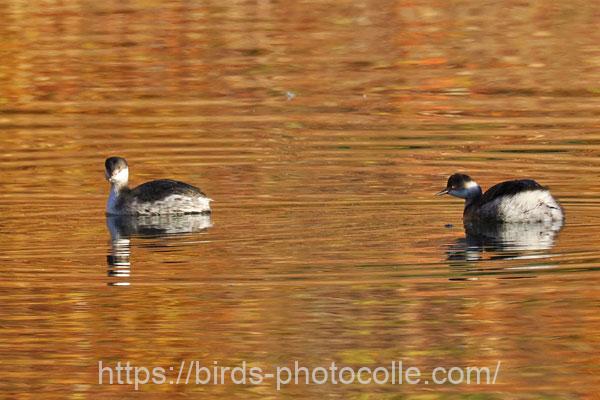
<point>164,196</point>
<point>522,200</point>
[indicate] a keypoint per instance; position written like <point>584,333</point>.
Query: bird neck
<point>118,187</point>
<point>473,195</point>
<point>117,194</point>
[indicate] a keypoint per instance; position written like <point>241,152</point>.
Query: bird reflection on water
<point>123,228</point>
<point>507,241</point>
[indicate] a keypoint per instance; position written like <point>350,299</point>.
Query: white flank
<point>173,204</point>
<point>528,206</point>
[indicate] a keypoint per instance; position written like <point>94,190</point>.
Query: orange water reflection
<point>321,130</point>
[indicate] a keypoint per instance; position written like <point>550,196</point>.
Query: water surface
<point>321,130</point>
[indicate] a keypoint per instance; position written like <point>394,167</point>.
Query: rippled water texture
<point>321,130</point>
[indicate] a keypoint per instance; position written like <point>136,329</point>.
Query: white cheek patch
<point>122,176</point>
<point>461,193</point>
<point>471,189</point>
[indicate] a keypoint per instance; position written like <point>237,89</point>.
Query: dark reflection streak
<point>123,228</point>
<point>506,242</point>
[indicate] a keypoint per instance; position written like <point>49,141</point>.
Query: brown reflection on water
<point>321,130</point>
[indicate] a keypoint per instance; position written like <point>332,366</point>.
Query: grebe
<point>163,196</point>
<point>522,200</point>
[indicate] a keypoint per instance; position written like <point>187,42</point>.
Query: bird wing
<point>509,188</point>
<point>159,189</point>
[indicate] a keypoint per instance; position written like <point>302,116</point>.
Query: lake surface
<point>321,130</point>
